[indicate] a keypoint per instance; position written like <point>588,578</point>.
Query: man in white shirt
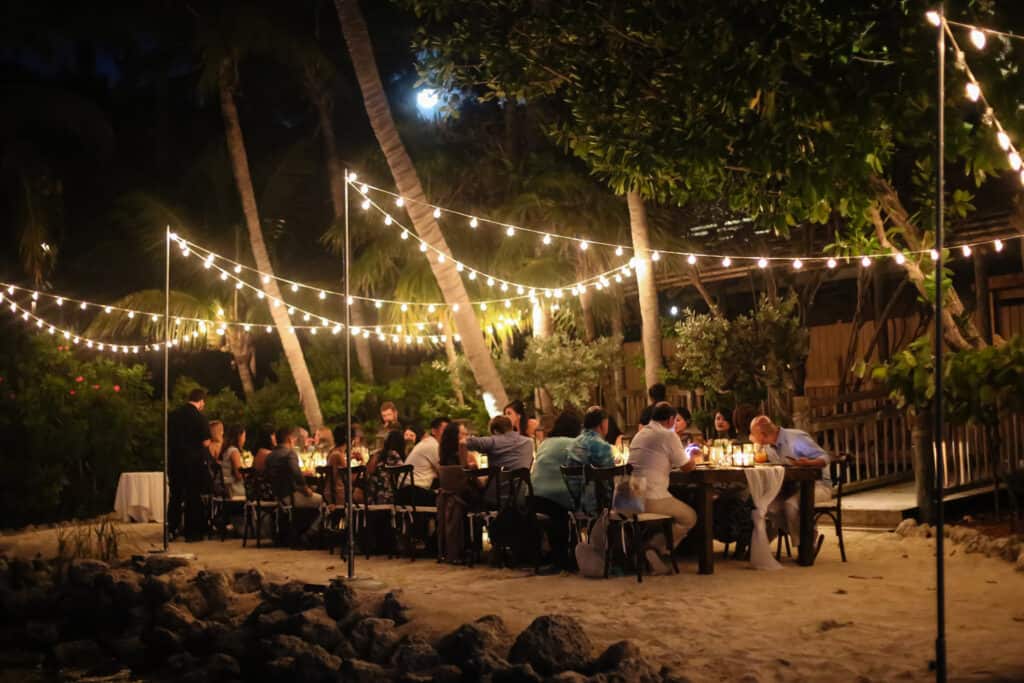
<point>654,452</point>
<point>426,462</point>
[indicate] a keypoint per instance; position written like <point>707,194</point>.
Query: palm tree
<point>650,334</point>
<point>360,49</point>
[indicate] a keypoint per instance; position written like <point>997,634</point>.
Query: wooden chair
<point>361,511</point>
<point>404,514</point>
<point>516,490</point>
<point>260,502</point>
<point>629,524</point>
<point>222,503</point>
<point>482,512</point>
<point>839,472</point>
<point>333,523</point>
<point>575,481</point>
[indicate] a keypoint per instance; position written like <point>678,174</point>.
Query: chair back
<point>518,486</point>
<point>399,476</point>
<point>257,486</point>
<point>839,470</point>
<point>492,481</point>
<point>220,489</point>
<point>575,482</point>
<point>603,479</point>
<point>325,481</point>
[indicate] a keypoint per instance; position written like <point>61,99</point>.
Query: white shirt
<point>653,453</point>
<point>425,461</point>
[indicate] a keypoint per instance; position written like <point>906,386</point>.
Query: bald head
<point>763,430</point>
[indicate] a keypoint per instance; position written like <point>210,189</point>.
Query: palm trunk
<point>650,327</point>
<point>449,352</point>
<point>243,181</point>
<point>587,306</point>
<point>616,388</point>
<point>336,178</point>
<point>542,325</point>
<point>360,49</point>
<point>240,345</point>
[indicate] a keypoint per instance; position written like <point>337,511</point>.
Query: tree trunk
<point>407,181</point>
<point>981,294</point>
<point>587,307</point>
<point>617,385</point>
<point>646,291</point>
<point>709,300</point>
<point>449,352</point>
<point>542,325</point>
<point>879,299</point>
<point>240,344</point>
<point>336,181</point>
<point>240,167</point>
<point>924,465</point>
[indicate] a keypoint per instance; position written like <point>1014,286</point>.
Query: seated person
<point>288,482</point>
<point>550,495</point>
<point>654,452</point>
<point>426,463</point>
<point>591,448</point>
<point>656,393</point>
<point>685,429</point>
<point>338,459</point>
<point>505,447</point>
<point>265,443</point>
<point>795,448</point>
<point>723,426</point>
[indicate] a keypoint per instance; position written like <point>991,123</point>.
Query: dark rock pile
<point>163,617</point>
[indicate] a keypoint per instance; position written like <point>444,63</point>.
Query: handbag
<point>628,494</point>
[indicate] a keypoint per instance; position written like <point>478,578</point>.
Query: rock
<point>1020,561</point>
<point>234,642</point>
<point>222,667</point>
<point>292,597</point>
<point>520,673</point>
<point>192,598</point>
<point>314,626</point>
<point>157,590</point>
<point>311,662</point>
<point>446,673</point>
<point>195,676</point>
<point>414,654</point>
<point>568,677</point>
<point>42,633</point>
<point>486,634</point>
<point>126,593</point>
<point>615,654</point>
<point>634,670</point>
<point>216,589</point>
<point>274,622</point>
<point>483,664</point>
<point>83,572</point>
<point>282,669</point>
<point>162,643</point>
<point>181,662</point>
<point>393,609</point>
<point>130,651</point>
<point>78,654</point>
<point>163,564</point>
<point>174,618</point>
<point>374,639</point>
<point>361,671</point>
<point>339,599</point>
<point>906,527</point>
<point>552,643</point>
<point>248,582</point>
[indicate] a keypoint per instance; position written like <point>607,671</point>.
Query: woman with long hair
<point>231,461</point>
<point>551,495</point>
<point>266,441</point>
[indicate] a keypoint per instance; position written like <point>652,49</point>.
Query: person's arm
<point>677,454</point>
<point>605,455</point>
<point>236,464</point>
<point>297,476</point>
<point>807,452</point>
<point>480,444</point>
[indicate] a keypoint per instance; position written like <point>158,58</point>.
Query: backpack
<point>590,553</point>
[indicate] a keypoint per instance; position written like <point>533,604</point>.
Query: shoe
<point>548,570</point>
<point>655,562</point>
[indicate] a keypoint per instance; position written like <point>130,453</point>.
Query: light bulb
<point>1003,139</point>
<point>400,202</point>
<point>455,308</point>
<point>831,263</point>
<point>238,269</point>
<point>865,261</point>
<point>504,286</point>
<point>322,295</point>
<point>762,263</point>
<point>388,220</point>
<point>378,304</point>
<point>508,304</point>
<point>268,329</point>
<point>966,250</point>
<point>404,307</point>
<point>459,267</point>
<point>726,262</point>
<point>260,295</point>
<point>978,38</point>
<point>431,308</point>
<point>291,309</point>
<point>546,239</point>
<point>1014,161</point>
<point>797,264</point>
<point>934,254</point>
<point>483,306</point>
<point>348,301</point>
<point>520,290</point>
<point>246,327</point>
<point>584,245</point>
<point>223,275</point>
<point>60,301</point>
<point>35,296</point>
<point>973,91</point>
<point>238,285</point>
<point>472,275</point>
<point>313,330</point>
<point>674,310</point>
<point>691,259</point>
<point>185,251</point>
<point>490,282</point>
<point>352,177</point>
<point>107,309</point>
<point>266,279</point>
<point>365,204</point>
<point>655,256</point>
<point>405,235</point>
<point>423,247</point>
<point>295,287</point>
<point>437,212</point>
<point>208,261</point>
<point>131,314</point>
<point>510,231</point>
<point>933,18</point>
<point>154,317</point>
<point>305,317</point>
<point>473,222</point>
<point>364,189</point>
<point>83,305</point>
<point>618,251</point>
<point>900,258</point>
<point>440,257</point>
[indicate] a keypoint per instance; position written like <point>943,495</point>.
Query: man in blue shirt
<point>797,449</point>
<point>590,448</point>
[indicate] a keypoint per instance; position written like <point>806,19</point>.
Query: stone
<point>271,623</point>
<point>157,590</point>
<point>414,654</point>
<point>446,673</point>
<point>181,662</point>
<point>78,654</point>
<point>222,667</point>
<point>339,599</point>
<point>486,634</point>
<point>393,609</point>
<point>361,671</point>
<point>306,655</point>
<point>634,670</point>
<point>314,626</point>
<point>126,593</point>
<point>216,589</point>
<point>163,564</point>
<point>906,527</point>
<point>374,639</point>
<point>519,673</point>
<point>552,643</point>
<point>162,643</point>
<point>568,677</point>
<point>292,597</point>
<point>42,633</point>
<point>1020,561</point>
<point>174,617</point>
<point>482,664</point>
<point>129,651</point>
<point>248,582</point>
<point>234,642</point>
<point>82,572</point>
<point>615,654</point>
<point>192,598</point>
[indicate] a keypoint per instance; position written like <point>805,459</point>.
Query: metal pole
<point>167,338</point>
<point>348,400</point>
<point>937,437</point>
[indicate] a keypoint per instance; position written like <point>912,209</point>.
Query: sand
<point>870,619</point>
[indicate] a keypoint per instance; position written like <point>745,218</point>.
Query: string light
<point>978,38</point>
<point>866,262</point>
<point>831,263</point>
<point>762,263</point>
<point>998,244</point>
<point>966,250</point>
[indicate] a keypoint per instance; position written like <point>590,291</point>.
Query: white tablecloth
<point>764,484</point>
<point>140,497</point>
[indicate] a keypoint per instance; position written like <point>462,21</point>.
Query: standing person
<point>390,422</point>
<point>426,462</point>
<point>550,494</point>
<point>188,449</point>
<point>288,482</point>
<point>657,394</point>
<point>797,449</point>
<point>231,461</point>
<point>654,452</point>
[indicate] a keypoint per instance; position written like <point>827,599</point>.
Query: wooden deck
<point>884,508</point>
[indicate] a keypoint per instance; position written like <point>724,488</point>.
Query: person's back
<point>280,471</point>
<point>547,478</point>
<point>505,448</point>
<point>653,457</point>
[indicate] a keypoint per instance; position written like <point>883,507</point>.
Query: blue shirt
<point>554,452</point>
<point>510,450</point>
<point>798,445</point>
<point>590,448</point>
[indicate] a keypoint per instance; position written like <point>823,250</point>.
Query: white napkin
<point>764,484</point>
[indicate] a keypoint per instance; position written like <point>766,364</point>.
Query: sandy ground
<point>871,619</point>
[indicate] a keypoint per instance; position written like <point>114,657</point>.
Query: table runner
<point>764,484</point>
<point>139,497</point>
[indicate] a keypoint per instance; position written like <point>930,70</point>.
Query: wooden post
<point>802,413</point>
<point>981,295</point>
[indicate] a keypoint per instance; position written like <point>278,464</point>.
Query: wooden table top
<point>723,475</point>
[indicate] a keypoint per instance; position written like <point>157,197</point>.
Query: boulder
<point>414,654</point>
<point>234,642</point>
<point>339,599</point>
<point>163,564</point>
<point>568,677</point>
<point>162,643</point>
<point>248,582</point>
<point>222,667</point>
<point>192,598</point>
<point>78,654</point>
<point>393,609</point>
<point>615,654</point>
<point>483,664</point>
<point>126,593</point>
<point>486,634</point>
<point>314,626</point>
<point>906,527</point>
<point>216,589</point>
<point>157,590</point>
<point>518,673</point>
<point>42,633</point>
<point>310,662</point>
<point>446,673</point>
<point>128,651</point>
<point>83,573</point>
<point>174,617</point>
<point>552,643</point>
<point>634,670</point>
<point>271,623</point>
<point>292,597</point>
<point>181,662</point>
<point>374,639</point>
<point>361,671</point>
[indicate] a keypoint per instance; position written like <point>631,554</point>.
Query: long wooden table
<point>706,477</point>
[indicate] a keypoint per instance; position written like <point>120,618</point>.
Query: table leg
<point>707,539</point>
<point>806,554</point>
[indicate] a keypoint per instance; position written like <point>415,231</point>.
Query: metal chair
<point>482,513</point>
<point>222,502</point>
<point>260,502</point>
<point>603,479</point>
<point>575,481</point>
<point>839,472</point>
<point>404,514</point>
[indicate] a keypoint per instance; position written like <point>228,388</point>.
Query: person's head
<point>197,397</point>
<point>516,413</point>
<point>664,414</point>
<point>286,437</point>
<point>723,423</point>
<point>567,424</point>
<point>216,430</point>
<point>596,420</point>
<point>763,431</point>
<point>342,440</point>
<point>266,439</point>
<point>324,438</point>
<point>388,413</point>
<point>437,426</point>
<point>235,437</point>
<point>657,392</point>
<point>683,419</point>
<point>500,425</point>
<point>302,436</point>
<point>529,428</point>
<point>448,444</point>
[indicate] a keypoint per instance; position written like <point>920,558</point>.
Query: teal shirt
<point>590,448</point>
<point>547,470</point>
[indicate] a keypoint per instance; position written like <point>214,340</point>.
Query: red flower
<point>79,379</point>
<point>72,392</point>
<point>95,386</point>
<point>117,387</point>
